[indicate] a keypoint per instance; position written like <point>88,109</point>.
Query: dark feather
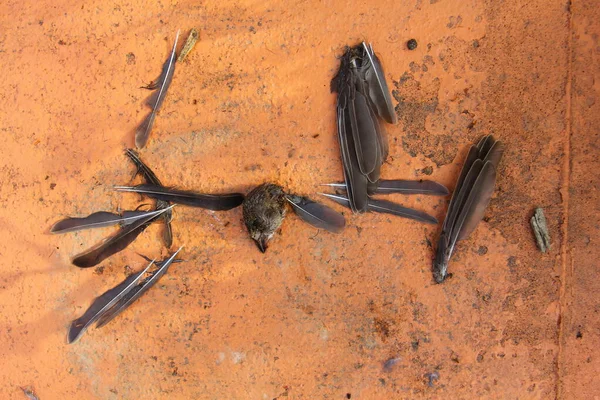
<point>102,304</point>
<point>379,92</point>
<point>411,187</point>
<point>316,214</point>
<point>215,202</point>
<point>99,219</point>
<point>484,145</point>
<point>143,130</point>
<point>471,196</point>
<point>387,207</point>
<point>355,180</point>
<point>115,243</point>
<point>475,205</point>
<point>364,133</point>
<point>96,220</point>
<point>150,177</point>
<point>472,156</point>
<point>495,153</point>
<point>142,168</point>
<point>135,293</point>
<point>402,186</point>
<point>156,99</point>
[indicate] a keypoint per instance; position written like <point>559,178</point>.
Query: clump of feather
<point>471,196</point>
<point>114,301</point>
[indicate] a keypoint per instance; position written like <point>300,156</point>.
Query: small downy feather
<point>102,304</point>
<point>99,219</point>
<point>115,243</point>
<point>316,214</point>
<point>155,101</point>
<point>387,207</point>
<point>136,292</point>
<point>215,202</point>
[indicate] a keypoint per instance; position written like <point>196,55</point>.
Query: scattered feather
<point>316,214</point>
<point>215,202</point>
<point>135,293</point>
<point>102,304</point>
<point>114,244</point>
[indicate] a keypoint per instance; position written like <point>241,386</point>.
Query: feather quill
<point>115,243</point>
<point>161,85</point>
<point>316,214</point>
<point>215,202</point>
<point>137,291</point>
<point>102,304</point>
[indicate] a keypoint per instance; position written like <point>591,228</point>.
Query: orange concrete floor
<point>316,316</point>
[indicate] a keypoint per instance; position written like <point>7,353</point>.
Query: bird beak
<point>261,244</point>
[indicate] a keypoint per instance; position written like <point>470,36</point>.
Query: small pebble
<point>411,44</point>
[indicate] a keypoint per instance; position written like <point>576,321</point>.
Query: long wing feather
<point>475,206</point>
<point>484,145</point>
<point>387,207</point>
<point>495,153</point>
<point>143,131</point>
<point>156,100</point>
<point>316,214</point>
<point>102,304</point>
<point>99,219</point>
<point>115,243</point>
<point>411,187</point>
<point>96,220</point>
<point>364,133</point>
<point>472,156</point>
<point>215,202</point>
<point>407,187</point>
<point>379,92</point>
<point>137,291</point>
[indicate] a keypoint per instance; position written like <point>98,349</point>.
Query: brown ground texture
<point>319,314</point>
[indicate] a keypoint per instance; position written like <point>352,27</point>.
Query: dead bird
<point>114,301</point>
<point>160,87</point>
<point>471,196</point>
<point>265,207</point>
<point>363,98</point>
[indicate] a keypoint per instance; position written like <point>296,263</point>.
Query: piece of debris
<point>411,44</point>
<point>540,230</point>
<point>432,377</point>
<point>389,364</point>
<point>189,45</point>
<point>29,393</point>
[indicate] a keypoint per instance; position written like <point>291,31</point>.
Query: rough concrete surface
<point>319,316</point>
